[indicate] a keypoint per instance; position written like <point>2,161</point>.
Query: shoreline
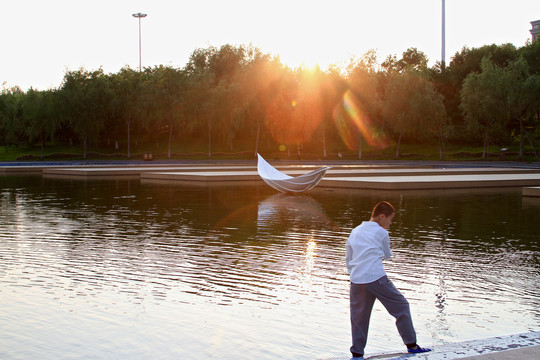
<point>522,346</point>
<point>438,163</point>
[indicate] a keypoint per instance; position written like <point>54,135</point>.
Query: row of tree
<point>237,98</point>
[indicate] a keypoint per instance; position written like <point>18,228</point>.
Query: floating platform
<point>512,347</point>
<point>531,191</point>
<point>205,170</point>
<point>416,171</point>
<point>345,176</point>
<point>131,170</point>
<point>433,181</point>
<point>204,176</point>
<point>421,180</point>
<point>41,168</point>
<point>245,172</point>
<point>23,169</point>
<point>136,170</point>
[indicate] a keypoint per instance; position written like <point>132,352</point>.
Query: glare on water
<point>120,269</point>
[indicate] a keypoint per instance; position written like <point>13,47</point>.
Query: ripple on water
<point>139,270</point>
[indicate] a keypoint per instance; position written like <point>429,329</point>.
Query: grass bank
<point>54,152</point>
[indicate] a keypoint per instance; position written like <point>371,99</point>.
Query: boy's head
<point>383,213</point>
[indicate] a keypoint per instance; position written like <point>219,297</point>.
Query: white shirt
<point>367,245</point>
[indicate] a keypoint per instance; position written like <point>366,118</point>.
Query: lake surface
<point>119,269</point>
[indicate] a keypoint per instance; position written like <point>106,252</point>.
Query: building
<point>535,31</point>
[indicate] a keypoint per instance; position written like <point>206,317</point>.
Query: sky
<point>41,40</point>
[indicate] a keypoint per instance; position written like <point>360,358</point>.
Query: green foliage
<point>483,101</point>
<point>240,100</point>
<point>86,99</point>
<point>450,81</point>
<point>531,54</point>
<point>500,101</point>
<point>413,108</point>
<point>129,101</point>
<point>38,116</point>
<point>412,60</point>
<point>165,101</point>
<point>8,108</point>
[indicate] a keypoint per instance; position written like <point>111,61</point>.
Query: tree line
<point>239,99</point>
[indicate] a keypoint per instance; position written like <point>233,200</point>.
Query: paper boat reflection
<point>288,210</point>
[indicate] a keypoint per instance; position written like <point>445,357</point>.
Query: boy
<point>367,245</point>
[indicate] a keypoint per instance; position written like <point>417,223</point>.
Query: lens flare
<point>354,123</point>
<point>292,121</point>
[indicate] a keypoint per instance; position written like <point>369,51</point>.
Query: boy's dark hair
<point>384,207</point>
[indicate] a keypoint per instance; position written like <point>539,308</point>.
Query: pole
<point>140,56</point>
<point>139,16</point>
<point>443,55</point>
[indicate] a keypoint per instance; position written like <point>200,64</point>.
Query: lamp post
<point>443,50</point>
<point>139,16</point>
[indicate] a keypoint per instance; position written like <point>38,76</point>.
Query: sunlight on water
<point>119,269</point>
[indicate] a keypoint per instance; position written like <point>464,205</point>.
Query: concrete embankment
<point>522,346</point>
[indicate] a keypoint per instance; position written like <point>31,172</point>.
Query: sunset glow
<point>301,33</point>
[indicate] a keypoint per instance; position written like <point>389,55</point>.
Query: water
<point>117,269</point>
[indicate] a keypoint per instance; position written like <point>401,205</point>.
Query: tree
<point>413,108</point>
<point>86,97</point>
<point>294,114</point>
<point>523,95</point>
<point>217,68</point>
<point>532,112</point>
<point>411,60</point>
<point>12,124</point>
<point>360,122</point>
<point>333,88</point>
<point>261,81</point>
<point>4,114</point>
<point>484,102</point>
<point>39,116</point>
<point>228,110</point>
<point>499,97</point>
<point>469,60</point>
<point>129,99</point>
<point>9,106</point>
<point>166,100</point>
<point>531,53</point>
<point>450,82</point>
<point>198,102</point>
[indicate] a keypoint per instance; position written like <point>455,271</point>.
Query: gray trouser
<point>363,297</point>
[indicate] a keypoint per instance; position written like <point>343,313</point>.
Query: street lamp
<point>443,47</point>
<point>139,16</point>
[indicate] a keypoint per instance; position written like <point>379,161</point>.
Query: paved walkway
<point>517,346</point>
<point>522,346</point>
<point>531,352</point>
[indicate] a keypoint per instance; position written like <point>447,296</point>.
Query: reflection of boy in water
<point>367,245</point>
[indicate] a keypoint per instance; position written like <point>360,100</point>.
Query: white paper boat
<point>285,183</point>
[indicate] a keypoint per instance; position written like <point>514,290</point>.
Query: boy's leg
<point>396,304</point>
<point>361,303</point>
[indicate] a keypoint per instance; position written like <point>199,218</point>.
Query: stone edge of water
<point>463,349</point>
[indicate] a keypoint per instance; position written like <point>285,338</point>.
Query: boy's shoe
<point>418,350</point>
<point>357,358</point>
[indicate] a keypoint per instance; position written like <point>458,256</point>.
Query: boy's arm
<point>349,253</point>
<point>386,246</point>
<point>348,257</point>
